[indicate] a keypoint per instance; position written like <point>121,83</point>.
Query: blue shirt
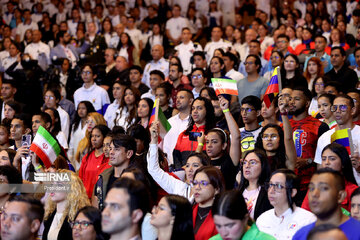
<point>350,228</point>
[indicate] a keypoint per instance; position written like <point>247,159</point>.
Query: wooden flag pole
<point>156,109</point>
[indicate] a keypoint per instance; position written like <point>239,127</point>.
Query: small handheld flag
<point>273,89</point>
<point>45,146</point>
<point>224,86</point>
<point>157,114</point>
<point>343,137</point>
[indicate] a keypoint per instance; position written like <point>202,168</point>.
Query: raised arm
<point>168,183</point>
<point>288,134</point>
<point>235,149</point>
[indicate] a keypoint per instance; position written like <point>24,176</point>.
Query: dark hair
<point>230,204</point>
<point>167,89</point>
<point>57,124</point>
<point>346,166</point>
<point>265,169</point>
<point>14,105</point>
<point>179,67</point>
<point>305,91</point>
<point>257,61</point>
<point>11,153</point>
<point>104,131</point>
<point>339,177</point>
<point>283,36</point>
<point>342,51</point>
<point>203,72</point>
<point>137,131</point>
<point>279,159</point>
<point>224,136</point>
<point>215,177</point>
<point>330,97</point>
<point>136,67</point>
<point>321,36</point>
<point>25,118</point>
<point>252,101</point>
<point>94,216</point>
<point>334,84</point>
<point>56,93</point>
<point>132,112</point>
<point>129,43</point>
<point>221,61</point>
<point>200,54</point>
<point>211,93</point>
<point>209,118</point>
<point>181,209</point>
<point>138,195</point>
<point>189,92</point>
<point>322,228</point>
<point>11,173</point>
<point>313,93</point>
<point>356,192</point>
<point>159,73</point>
<point>204,158</point>
<point>123,140</point>
<point>351,101</point>
<point>291,182</point>
<point>36,208</point>
<point>178,62</point>
<point>151,104</point>
<point>89,108</point>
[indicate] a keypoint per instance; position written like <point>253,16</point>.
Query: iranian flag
<point>45,147</point>
<point>225,86</point>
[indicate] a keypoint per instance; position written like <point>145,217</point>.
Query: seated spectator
<point>290,73</point>
<point>87,224</point>
<point>62,207</point>
<point>135,76</point>
<point>281,190</point>
<point>325,231</point>
<point>9,175</point>
<point>11,108</point>
<point>156,78</point>
<point>313,71</point>
<point>307,42</point>
<point>144,111</point>
<point>326,204</point>
<point>337,39</point>
<point>177,221</point>
<point>270,114</point>
<point>325,102</point>
<point>320,46</point>
<point>231,218</point>
<point>332,87</point>
<point>198,81</point>
<point>163,93</point>
<point>55,127</point>
<point>355,204</point>
<point>31,212</point>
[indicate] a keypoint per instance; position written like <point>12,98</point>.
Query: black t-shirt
<point>112,179</point>
<point>228,170</point>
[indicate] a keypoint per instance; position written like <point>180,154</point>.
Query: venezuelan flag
<point>165,126</point>
<point>273,89</point>
<point>343,137</point>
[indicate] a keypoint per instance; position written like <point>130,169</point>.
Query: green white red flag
<point>225,86</point>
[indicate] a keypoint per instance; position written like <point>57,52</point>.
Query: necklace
<point>202,217</point>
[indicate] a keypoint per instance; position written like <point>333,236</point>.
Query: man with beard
<point>326,192</point>
<point>175,74</point>
<point>66,50</point>
<point>306,131</point>
<point>184,98</point>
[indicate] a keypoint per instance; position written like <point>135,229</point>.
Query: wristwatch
<point>309,161</point>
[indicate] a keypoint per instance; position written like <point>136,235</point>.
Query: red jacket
<point>207,229</point>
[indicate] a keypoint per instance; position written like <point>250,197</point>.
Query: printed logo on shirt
<point>247,141</point>
<point>292,226</point>
<point>299,137</point>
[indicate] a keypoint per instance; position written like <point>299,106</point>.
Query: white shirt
<point>75,139</point>
<point>161,65</point>
<point>210,47</point>
<point>62,140</point>
<point>37,49</point>
<point>135,35</point>
<point>121,118</point>
<point>185,52</point>
<point>65,121</point>
<point>148,94</point>
<point>285,226</point>
<point>6,63</point>
<point>175,26</point>
<point>22,27</point>
<point>244,51</point>
<point>234,75</point>
<point>325,139</point>
<point>4,54</point>
<point>72,27</point>
<point>110,113</point>
<point>94,94</point>
<point>178,125</point>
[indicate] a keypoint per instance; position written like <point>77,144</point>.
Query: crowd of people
<point>227,166</point>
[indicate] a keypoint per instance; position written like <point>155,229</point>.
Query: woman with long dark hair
<point>290,73</point>
<point>172,217</point>
<point>127,49</point>
<point>55,128</point>
<point>144,109</point>
<point>87,225</point>
<point>255,171</point>
<point>201,121</point>
<point>126,114</point>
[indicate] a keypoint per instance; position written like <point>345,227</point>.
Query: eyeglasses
<point>342,108</point>
<point>319,84</point>
<point>269,137</point>
<point>250,63</point>
<point>277,186</point>
<point>49,97</point>
<point>202,183</point>
<point>281,41</point>
<point>86,72</point>
<point>247,110</point>
<point>251,162</point>
<point>82,224</point>
<point>198,76</point>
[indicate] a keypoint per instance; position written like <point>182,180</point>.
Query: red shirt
<point>89,169</point>
<point>174,91</point>
<point>207,228</point>
<point>305,135</point>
